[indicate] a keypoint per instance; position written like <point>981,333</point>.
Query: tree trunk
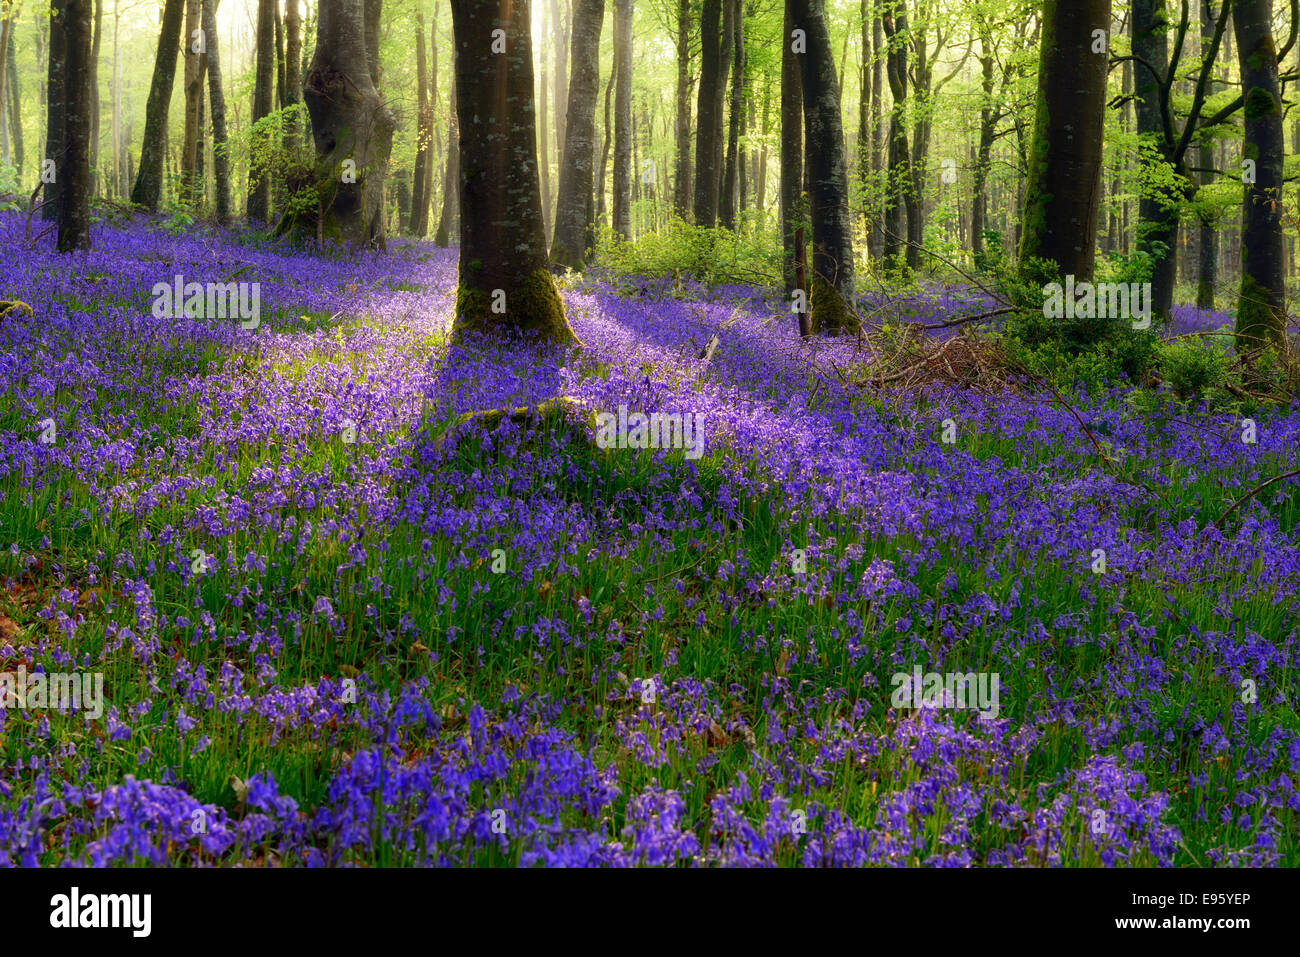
<point>1207,276</point>
<point>708,115</point>
<point>74,169</point>
<point>622,219</point>
<point>280,100</point>
<point>899,201</point>
<point>877,237</point>
<point>727,195</point>
<point>56,102</point>
<point>682,181</point>
<point>259,180</point>
<point>1158,215</point>
<point>1261,306</point>
<point>504,281</point>
<point>574,220</point>
<point>830,296</point>
<point>793,212</point>
<point>1060,218</point>
<point>604,155</point>
<point>15,108</point>
<point>979,201</point>
<point>451,175</point>
<point>94,95</point>
<point>292,67</point>
<point>194,46</point>
<point>560,73</point>
<point>352,128</point>
<point>217,99</point>
<point>147,191</point>
<point>424,136</point>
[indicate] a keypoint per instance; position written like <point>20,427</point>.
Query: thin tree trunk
<point>831,292</point>
<point>259,180</point>
<point>604,155</point>
<point>421,186</point>
<point>727,196</point>
<point>708,115</point>
<point>74,169</point>
<point>194,46</point>
<point>682,179</point>
<point>622,221</point>
<point>793,213</point>
<point>56,104</point>
<point>1261,305</point>
<point>451,178</point>
<point>217,99</point>
<point>574,213</point>
<point>292,67</point>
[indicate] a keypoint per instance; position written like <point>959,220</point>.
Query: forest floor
<point>334,627</point>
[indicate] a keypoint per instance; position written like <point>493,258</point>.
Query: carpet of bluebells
<point>418,637</point>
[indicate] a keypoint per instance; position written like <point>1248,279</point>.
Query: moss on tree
<point>532,305</point>
<point>831,314</point>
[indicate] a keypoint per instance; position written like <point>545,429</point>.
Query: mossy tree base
<point>531,306</point>
<point>831,314</point>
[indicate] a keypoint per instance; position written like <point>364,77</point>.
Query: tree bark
<point>574,207</point>
<point>682,177</point>
<point>1261,305</point>
<point>74,169</point>
<point>292,67</point>
<point>900,203</point>
<point>1208,254</point>
<point>831,292</point>
<point>451,174</point>
<point>1064,180</point>
<point>56,103</point>
<point>622,220</point>
<point>217,101</point>
<point>259,180</point>
<point>708,115</point>
<point>194,42</point>
<point>424,136</point>
<point>15,109</point>
<point>728,194</point>
<point>505,284</point>
<point>352,129</point>
<point>793,211</point>
<point>1158,214</point>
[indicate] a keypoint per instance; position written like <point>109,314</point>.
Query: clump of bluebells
<point>352,607</point>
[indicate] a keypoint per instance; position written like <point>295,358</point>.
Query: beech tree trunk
<point>728,194</point>
<point>900,202</point>
<point>74,167</point>
<point>352,127</point>
<point>505,284</point>
<point>217,101</point>
<point>292,65</point>
<point>1261,305</point>
<point>424,137</point>
<point>830,293</point>
<point>193,96</point>
<point>259,182</point>
<point>1158,215</point>
<point>1064,180</point>
<point>575,206</point>
<point>451,173</point>
<point>793,212</point>
<point>682,175</point>
<point>1208,257</point>
<point>622,221</point>
<point>709,115</point>
<point>55,100</point>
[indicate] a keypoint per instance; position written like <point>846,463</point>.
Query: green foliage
<point>1193,367</point>
<point>681,250</point>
